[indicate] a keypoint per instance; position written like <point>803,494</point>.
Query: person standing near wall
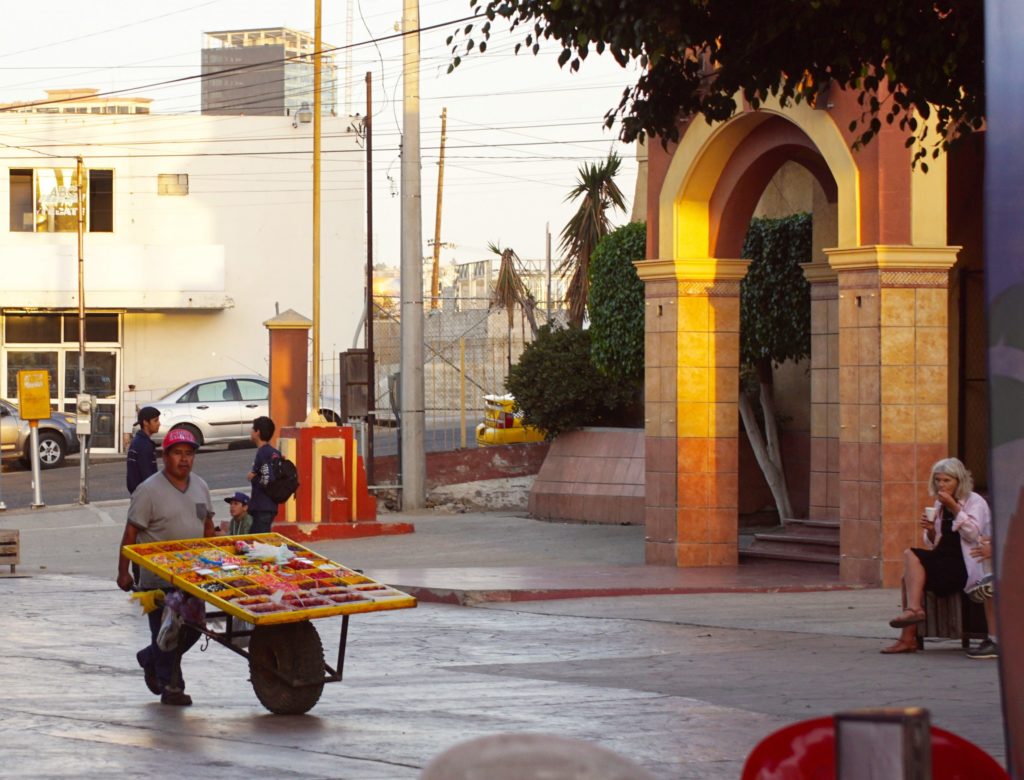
<point>261,506</point>
<point>141,460</point>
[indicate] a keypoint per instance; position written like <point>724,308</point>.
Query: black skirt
<point>944,568</point>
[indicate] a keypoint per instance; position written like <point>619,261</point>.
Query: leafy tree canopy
<point>617,303</point>
<point>775,298</point>
<point>904,57</point>
<point>558,388</point>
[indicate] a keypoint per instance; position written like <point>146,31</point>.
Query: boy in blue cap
<point>241,520</point>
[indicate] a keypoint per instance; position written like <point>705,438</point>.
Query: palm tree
<point>510,290</point>
<point>599,192</point>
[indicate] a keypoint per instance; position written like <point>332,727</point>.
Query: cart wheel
<point>293,650</point>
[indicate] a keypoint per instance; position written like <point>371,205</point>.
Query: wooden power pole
<point>435,293</point>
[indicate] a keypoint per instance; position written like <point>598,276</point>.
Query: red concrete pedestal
<point>332,501</point>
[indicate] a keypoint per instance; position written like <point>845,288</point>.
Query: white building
<point>197,229</point>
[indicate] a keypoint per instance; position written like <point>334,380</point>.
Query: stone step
<point>818,527</point>
<point>797,538</point>
<point>797,556</point>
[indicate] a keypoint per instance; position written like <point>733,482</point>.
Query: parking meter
<point>85,406</point>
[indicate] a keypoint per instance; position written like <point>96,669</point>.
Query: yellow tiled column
<point>893,374</point>
<point>692,342</point>
<point>824,465</point>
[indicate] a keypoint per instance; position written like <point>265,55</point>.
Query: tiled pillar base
<point>692,331</point>
<point>893,373</point>
<point>824,466</point>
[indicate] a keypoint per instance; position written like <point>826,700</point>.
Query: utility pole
<point>547,254</point>
<point>435,297</point>
<point>314,394</point>
<point>413,457</point>
<point>371,379</point>
<point>83,450</point>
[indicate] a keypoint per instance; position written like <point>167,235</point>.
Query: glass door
<point>101,381</point>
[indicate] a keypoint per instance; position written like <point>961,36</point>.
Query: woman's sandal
<point>909,617</point>
<point>899,647</point>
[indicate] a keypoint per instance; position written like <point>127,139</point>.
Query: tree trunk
<point>771,465</point>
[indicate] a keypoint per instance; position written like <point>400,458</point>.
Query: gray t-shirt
<point>162,513</point>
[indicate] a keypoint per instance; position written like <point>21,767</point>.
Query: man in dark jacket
<point>261,506</point>
<point>142,452</point>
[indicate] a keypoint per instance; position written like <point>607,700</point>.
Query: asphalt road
<point>219,465</point>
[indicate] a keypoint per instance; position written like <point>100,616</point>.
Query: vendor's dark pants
<point>262,521</point>
<point>166,663</point>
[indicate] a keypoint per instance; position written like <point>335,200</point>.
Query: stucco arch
<point>685,219</point>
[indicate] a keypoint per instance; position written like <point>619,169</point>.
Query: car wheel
<point>51,450</point>
<point>191,429</point>
<point>330,416</point>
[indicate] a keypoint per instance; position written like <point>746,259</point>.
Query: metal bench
<point>9,548</point>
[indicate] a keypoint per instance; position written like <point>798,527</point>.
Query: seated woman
<point>962,517</point>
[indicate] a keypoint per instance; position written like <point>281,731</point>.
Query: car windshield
<point>173,395</point>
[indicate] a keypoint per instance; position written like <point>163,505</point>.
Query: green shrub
<point>558,388</point>
<point>617,303</point>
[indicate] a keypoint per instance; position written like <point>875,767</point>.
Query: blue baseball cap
<point>242,498</point>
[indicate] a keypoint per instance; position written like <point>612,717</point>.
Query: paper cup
<point>929,512</point>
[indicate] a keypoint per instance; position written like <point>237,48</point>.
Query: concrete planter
<point>594,475</point>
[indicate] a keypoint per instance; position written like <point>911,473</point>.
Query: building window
<point>172,184</point>
<point>101,201</point>
<point>22,211</point>
<point>45,200</point>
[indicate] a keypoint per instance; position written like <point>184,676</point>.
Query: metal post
<point>3,506</point>
<point>83,450</point>
<point>37,495</point>
<point>462,391</point>
<point>315,390</point>
<point>371,379</point>
<point>414,471</point>
<point>547,236</point>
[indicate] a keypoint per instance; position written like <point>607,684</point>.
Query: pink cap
<point>180,436</point>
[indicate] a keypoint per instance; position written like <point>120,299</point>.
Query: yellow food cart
<point>267,589</point>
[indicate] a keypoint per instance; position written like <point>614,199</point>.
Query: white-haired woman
<point>945,565</point>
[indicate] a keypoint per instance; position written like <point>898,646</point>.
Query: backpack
<point>281,480</point>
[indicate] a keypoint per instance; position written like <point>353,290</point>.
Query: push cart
<point>268,589</point>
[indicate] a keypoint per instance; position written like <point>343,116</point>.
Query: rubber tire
<point>295,650</point>
<point>52,443</point>
<point>191,429</point>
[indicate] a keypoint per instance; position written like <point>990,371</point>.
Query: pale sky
<point>518,126</point>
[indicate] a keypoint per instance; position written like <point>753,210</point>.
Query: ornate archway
<point>882,290</point>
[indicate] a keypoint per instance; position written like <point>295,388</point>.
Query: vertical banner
<point>1004,281</point>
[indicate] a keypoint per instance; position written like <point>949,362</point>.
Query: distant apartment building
<point>79,101</point>
<point>476,279</point>
<point>188,250</point>
<point>264,72</point>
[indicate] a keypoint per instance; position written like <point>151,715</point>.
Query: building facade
<point>197,230</point>
<point>264,72</point>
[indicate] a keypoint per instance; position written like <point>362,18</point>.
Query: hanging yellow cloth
<point>149,599</point>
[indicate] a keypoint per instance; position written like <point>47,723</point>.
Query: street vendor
<point>172,504</point>
<point>238,508</point>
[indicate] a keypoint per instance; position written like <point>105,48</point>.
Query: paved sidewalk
<point>685,684</point>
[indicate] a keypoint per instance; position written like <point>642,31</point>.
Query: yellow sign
<point>34,395</point>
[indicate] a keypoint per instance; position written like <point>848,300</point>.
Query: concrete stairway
<point>802,541</point>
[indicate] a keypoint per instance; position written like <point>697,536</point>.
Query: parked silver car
<point>57,436</point>
<point>217,410</point>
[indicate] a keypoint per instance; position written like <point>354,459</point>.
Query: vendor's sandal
<point>909,617</point>
<point>176,699</point>
<point>149,670</point>
<point>899,647</point>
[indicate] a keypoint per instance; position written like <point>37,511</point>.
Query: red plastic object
<point>807,751</point>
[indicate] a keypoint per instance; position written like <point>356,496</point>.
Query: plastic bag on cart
<point>179,608</point>
<point>219,626</point>
<point>270,553</point>
<point>170,630</point>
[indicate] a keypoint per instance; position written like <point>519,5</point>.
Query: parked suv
<point>57,436</point>
<point>216,410</point>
